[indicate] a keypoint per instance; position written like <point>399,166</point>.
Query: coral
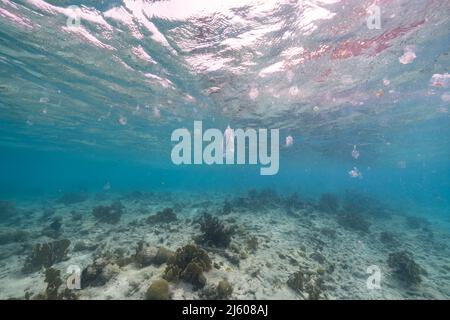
<point>214,232</point>
<point>158,290</point>
<point>46,254</point>
<point>188,264</point>
<point>165,216</point>
<point>7,209</point>
<point>193,273</point>
<point>72,198</point>
<point>109,214</point>
<point>147,254</point>
<point>224,289</point>
<point>296,281</point>
<point>405,268</point>
<point>354,221</point>
<point>98,273</point>
<point>329,203</point>
<point>12,235</point>
<point>163,255</point>
<point>307,282</point>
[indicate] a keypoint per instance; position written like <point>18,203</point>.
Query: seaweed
<point>46,254</point>
<point>52,291</point>
<point>109,214</point>
<point>147,255</point>
<point>405,268</point>
<point>165,216</point>
<point>214,232</point>
<point>328,203</point>
<point>70,198</point>
<point>53,280</point>
<point>98,273</point>
<point>224,289</point>
<point>188,264</point>
<point>354,221</point>
<point>296,281</point>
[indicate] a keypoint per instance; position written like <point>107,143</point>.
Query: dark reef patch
<point>214,232</point>
<point>109,214</point>
<point>165,216</point>
<point>405,268</point>
<point>46,254</point>
<point>188,264</point>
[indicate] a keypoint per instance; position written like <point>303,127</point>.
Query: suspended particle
<point>289,141</point>
<point>122,120</point>
<point>254,93</point>
<point>355,153</point>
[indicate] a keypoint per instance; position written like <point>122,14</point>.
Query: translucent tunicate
<point>355,153</point>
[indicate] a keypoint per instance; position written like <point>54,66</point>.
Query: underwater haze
<point>92,205</point>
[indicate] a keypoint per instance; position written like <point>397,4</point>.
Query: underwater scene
<point>224,150</point>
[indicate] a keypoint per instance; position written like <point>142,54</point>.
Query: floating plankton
<point>440,80</point>
<point>122,120</point>
<point>156,112</point>
<point>289,141</point>
<point>355,173</point>
<point>408,56</point>
<point>355,153</point>
<point>254,93</point>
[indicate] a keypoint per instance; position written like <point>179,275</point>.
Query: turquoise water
<point>91,108</point>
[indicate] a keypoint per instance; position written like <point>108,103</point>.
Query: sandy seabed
<point>276,250</point>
